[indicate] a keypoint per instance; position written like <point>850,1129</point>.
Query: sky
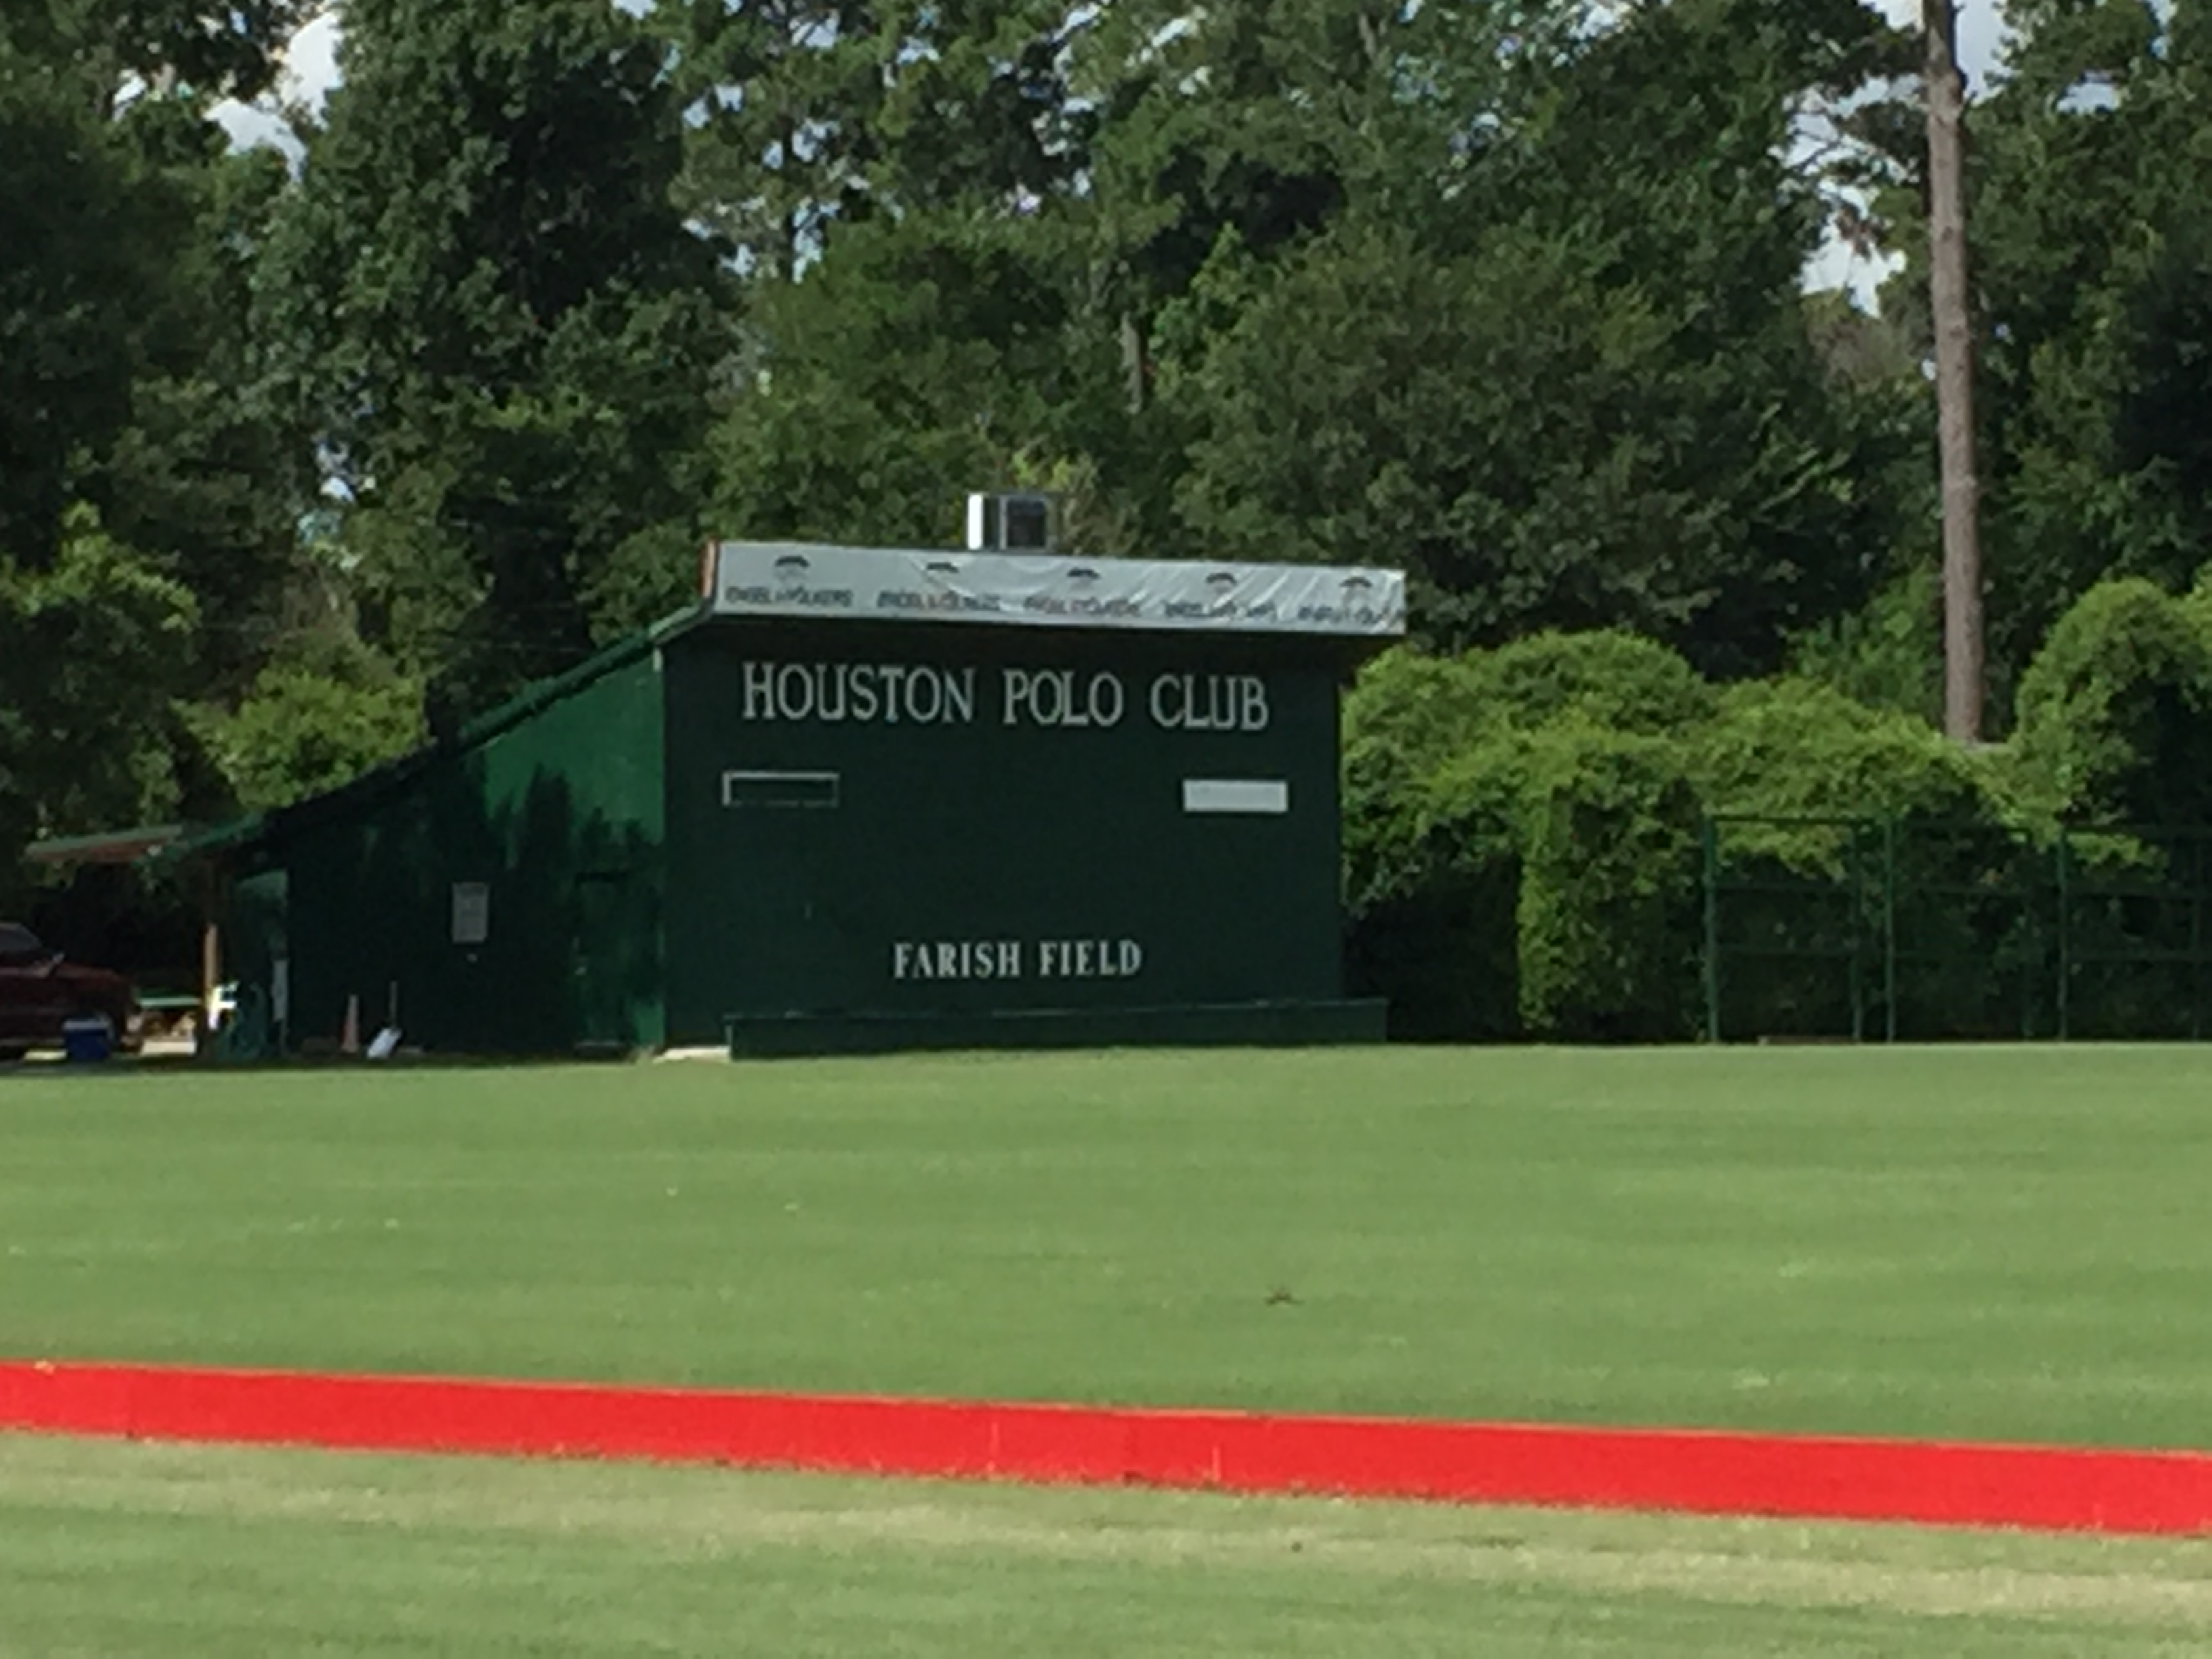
<point>311,70</point>
<point>1981,33</point>
<point>312,62</point>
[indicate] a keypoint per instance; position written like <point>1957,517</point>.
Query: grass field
<point>1983,1243</point>
<point>128,1550</point>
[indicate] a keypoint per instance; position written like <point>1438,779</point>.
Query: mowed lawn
<point>2001,1243</point>
<point>126,1550</point>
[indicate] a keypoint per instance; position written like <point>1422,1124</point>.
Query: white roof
<point>1051,590</point>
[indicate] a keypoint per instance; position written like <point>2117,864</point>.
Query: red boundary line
<point>1694,1471</point>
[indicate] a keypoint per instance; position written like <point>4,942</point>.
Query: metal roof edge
<point>542,694</point>
<point>105,847</point>
<point>210,838</point>
<point>920,587</point>
<point>533,699</point>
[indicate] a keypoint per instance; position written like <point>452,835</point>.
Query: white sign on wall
<point>471,912</point>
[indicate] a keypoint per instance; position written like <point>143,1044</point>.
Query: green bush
<point>1796,749</point>
<point>1406,716</point>
<point>1841,826</point>
<point>2113,711</point>
<point>1610,679</point>
<point>1524,856</point>
<point>1606,918</point>
<point>1433,929</point>
<point>306,728</point>
<point>1523,837</point>
<point>1505,812</point>
<point>1412,721</point>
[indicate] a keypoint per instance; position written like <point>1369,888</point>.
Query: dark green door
<point>789,931</point>
<point>613,966</point>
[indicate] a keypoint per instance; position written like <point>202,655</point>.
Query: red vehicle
<point>41,992</point>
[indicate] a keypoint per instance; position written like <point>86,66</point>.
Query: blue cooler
<point>87,1039</point>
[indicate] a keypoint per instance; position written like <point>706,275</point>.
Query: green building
<point>852,799</point>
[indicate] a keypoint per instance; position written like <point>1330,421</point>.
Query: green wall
<point>557,812</point>
<point>681,832</point>
<point>982,834</point>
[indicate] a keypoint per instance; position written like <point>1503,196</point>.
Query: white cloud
<point>311,70</point>
<point>1981,33</point>
<point>311,61</point>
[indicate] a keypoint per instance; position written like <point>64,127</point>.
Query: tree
<point>79,274</point>
<point>502,328</point>
<point>1951,310</point>
<point>906,186</point>
<point>2091,238</point>
<point>94,649</point>
<point>1379,403</point>
<point>311,722</point>
<point>1578,388</point>
<point>148,498</point>
<point>923,359</point>
<point>782,97</point>
<point>1236,135</point>
<point>213,471</point>
<point>111,49</point>
<point>810,115</point>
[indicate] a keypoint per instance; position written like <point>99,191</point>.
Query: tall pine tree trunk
<point>1945,90</point>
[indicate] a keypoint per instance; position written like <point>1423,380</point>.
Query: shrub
<point>1609,678</point>
<point>2113,711</point>
<point>1505,809</point>
<point>1606,918</point>
<point>1796,749</point>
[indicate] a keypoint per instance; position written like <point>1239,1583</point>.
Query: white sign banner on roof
<point>787,578</point>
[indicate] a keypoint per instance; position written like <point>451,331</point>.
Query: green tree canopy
<point>1572,385</point>
<point>2093,248</point>
<point>501,324</point>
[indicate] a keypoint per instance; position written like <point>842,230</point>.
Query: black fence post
<point>1889,929</point>
<point>1710,839</point>
<point>2064,855</point>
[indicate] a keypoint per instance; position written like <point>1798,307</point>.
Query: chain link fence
<point>1871,929</point>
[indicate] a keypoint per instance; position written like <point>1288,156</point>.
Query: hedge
<point>1522,825</point>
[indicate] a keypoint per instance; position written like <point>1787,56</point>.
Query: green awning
<point>110,846</point>
<point>209,839</point>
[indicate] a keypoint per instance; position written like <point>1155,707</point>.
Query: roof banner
<point>789,578</point>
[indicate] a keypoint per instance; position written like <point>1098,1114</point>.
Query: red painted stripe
<point>1689,1470</point>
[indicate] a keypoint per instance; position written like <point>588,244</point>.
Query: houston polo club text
<point>924,694</point>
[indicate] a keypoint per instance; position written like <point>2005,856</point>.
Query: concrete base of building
<point>1247,1024</point>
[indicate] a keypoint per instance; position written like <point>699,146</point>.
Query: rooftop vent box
<point>1012,522</point>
